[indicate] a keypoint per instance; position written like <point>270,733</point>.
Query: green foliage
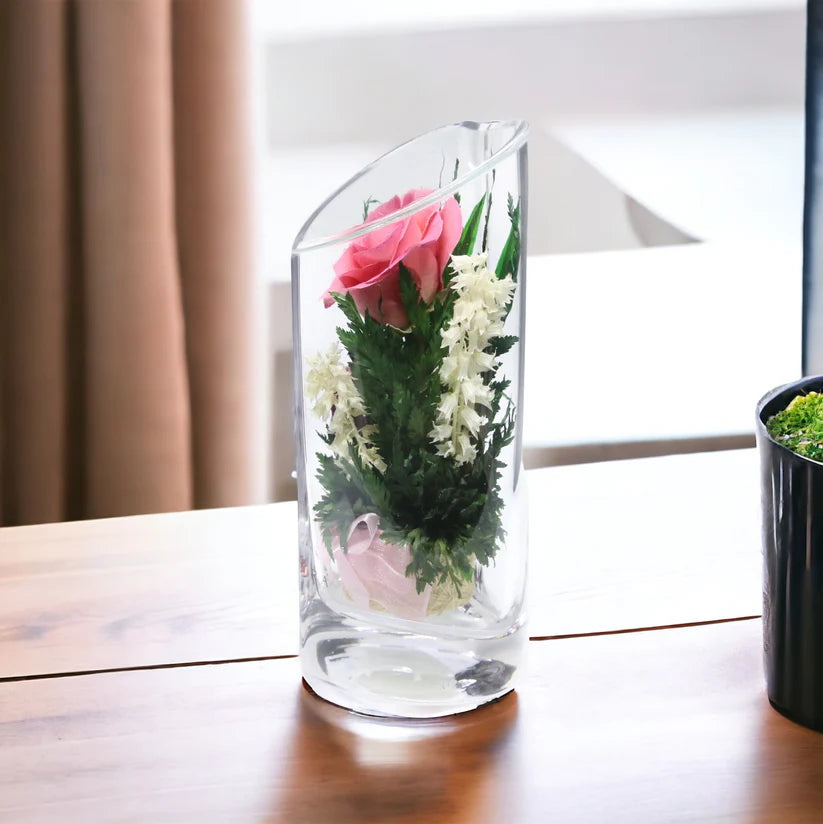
<point>468,238</point>
<point>485,244</point>
<point>510,256</point>
<point>799,427</point>
<point>367,204</point>
<point>448,514</point>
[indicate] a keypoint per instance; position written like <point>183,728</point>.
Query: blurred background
<point>159,156</point>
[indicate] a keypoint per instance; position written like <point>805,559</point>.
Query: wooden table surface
<point>125,696</point>
<point>617,545</point>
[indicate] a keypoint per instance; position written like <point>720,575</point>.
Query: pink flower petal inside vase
<point>374,571</point>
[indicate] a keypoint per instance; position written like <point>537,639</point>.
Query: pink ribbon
<point>374,571</point>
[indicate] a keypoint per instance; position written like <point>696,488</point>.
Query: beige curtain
<point>125,259</point>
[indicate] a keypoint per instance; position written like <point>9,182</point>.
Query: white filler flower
<point>479,313</point>
<point>334,398</point>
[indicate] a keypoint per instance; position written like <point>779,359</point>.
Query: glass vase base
<point>404,675</point>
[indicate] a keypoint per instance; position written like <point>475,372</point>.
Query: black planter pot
<point>792,512</point>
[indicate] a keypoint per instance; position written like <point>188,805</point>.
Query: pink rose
<point>373,571</point>
<point>368,269</point>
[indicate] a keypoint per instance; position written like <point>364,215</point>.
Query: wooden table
<point>147,673</point>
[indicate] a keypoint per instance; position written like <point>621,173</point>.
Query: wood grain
<point>147,590</point>
<point>660,726</point>
<point>644,543</point>
<point>620,545</point>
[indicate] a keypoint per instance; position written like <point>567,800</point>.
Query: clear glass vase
<point>408,289</point>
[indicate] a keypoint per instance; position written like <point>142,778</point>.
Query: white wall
<point>338,83</point>
<point>393,84</point>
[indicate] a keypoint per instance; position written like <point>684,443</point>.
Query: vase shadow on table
<point>346,767</point>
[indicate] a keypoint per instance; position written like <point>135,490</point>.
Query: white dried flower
<point>479,314</point>
<point>334,398</point>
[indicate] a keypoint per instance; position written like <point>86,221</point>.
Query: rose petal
<point>374,571</point>
<point>413,195</point>
<point>388,587</point>
<point>432,230</point>
<point>362,533</point>
<point>386,208</point>
<point>396,203</point>
<point>382,300</point>
<point>419,225</point>
<point>367,274</point>
<point>355,586</point>
<point>424,241</point>
<point>346,262</point>
<point>422,264</point>
<point>345,282</point>
<point>383,251</point>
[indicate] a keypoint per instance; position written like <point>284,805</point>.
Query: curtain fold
<point>212,177</point>
<point>125,258</point>
<point>35,250</point>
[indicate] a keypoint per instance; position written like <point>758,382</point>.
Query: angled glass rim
<point>518,138</point>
